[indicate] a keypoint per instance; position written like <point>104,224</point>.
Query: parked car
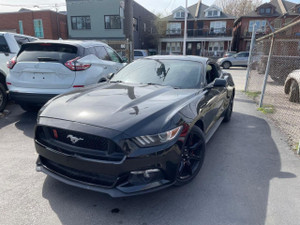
<point>45,69</point>
<point>239,59</point>
<point>291,86</point>
<point>9,46</point>
<point>140,53</point>
<point>144,130</point>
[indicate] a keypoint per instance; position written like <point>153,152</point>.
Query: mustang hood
<point>121,107</point>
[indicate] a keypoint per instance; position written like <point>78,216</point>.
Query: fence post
<point>250,56</point>
<point>266,73</point>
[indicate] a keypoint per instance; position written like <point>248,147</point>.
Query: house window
<point>81,22</point>
<point>262,10</point>
<point>173,47</point>
<point>135,24</point>
<point>212,13</point>
<point>260,25</point>
<point>216,46</point>
<point>21,27</point>
<point>179,14</point>
<point>38,28</point>
<point>112,22</point>
<point>174,28</point>
<point>218,26</point>
<point>268,10</point>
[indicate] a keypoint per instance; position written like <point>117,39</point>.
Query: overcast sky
<point>156,6</point>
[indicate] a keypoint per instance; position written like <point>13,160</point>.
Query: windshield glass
<point>175,73</point>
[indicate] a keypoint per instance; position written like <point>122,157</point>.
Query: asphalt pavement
<point>250,176</point>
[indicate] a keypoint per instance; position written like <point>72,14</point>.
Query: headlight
<point>157,139</point>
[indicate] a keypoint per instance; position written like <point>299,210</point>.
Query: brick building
<point>209,31</point>
<point>42,24</point>
<point>268,17</point>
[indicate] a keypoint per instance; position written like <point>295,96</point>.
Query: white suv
<point>44,69</point>
<point>9,46</point>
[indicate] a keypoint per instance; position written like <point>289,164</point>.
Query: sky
<point>156,6</point>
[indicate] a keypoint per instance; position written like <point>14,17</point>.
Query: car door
<point>241,59</point>
<point>214,97</point>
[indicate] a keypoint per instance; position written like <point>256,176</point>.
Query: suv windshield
<point>175,73</point>
<point>47,52</point>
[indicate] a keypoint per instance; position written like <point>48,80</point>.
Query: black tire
<point>294,92</point>
<point>30,108</point>
<point>3,97</point>
<point>228,112</point>
<point>226,65</point>
<point>192,157</point>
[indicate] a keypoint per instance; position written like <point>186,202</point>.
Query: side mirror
<point>219,82</point>
<point>103,79</point>
<point>109,76</point>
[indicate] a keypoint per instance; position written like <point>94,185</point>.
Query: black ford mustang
<point>143,130</point>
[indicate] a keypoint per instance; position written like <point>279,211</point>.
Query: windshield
<point>175,73</point>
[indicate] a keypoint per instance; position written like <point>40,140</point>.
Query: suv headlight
<point>157,139</point>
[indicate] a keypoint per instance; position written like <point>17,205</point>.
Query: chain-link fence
<point>274,78</point>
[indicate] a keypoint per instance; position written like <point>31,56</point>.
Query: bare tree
<point>238,7</point>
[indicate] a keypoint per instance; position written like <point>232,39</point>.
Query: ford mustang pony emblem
<point>73,139</point>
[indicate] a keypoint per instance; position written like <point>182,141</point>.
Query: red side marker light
<point>55,134</point>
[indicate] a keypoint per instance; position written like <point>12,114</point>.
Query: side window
<point>114,57</point>
<point>212,72</point>
<point>244,54</point>
<point>101,53</point>
<point>138,53</point>
<point>3,45</point>
<point>21,40</point>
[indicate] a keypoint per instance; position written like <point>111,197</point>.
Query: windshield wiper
<point>116,81</point>
<point>155,84</point>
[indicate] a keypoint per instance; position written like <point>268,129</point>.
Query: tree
<point>238,8</point>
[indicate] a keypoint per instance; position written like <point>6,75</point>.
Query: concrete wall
<point>96,10</point>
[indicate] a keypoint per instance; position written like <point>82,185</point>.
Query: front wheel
<point>192,157</point>
<point>294,92</point>
<point>3,97</point>
<point>228,111</point>
<point>226,65</point>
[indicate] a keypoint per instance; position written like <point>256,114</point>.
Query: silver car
<point>239,59</point>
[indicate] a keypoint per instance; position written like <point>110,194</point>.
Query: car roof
<point>81,43</point>
<point>15,34</point>
<point>180,57</point>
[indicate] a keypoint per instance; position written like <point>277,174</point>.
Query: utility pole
<point>185,27</point>
<point>128,26</point>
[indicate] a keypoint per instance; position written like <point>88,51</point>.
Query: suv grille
<point>78,143</point>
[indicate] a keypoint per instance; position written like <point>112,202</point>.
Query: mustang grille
<point>79,144</point>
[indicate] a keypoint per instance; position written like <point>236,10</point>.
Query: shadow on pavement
<point>231,188</point>
<point>24,121</point>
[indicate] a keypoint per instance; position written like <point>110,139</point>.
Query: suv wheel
<point>3,97</point>
<point>226,65</point>
<point>294,92</point>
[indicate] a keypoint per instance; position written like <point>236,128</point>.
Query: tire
<point>192,157</point>
<point>294,92</point>
<point>30,108</point>
<point>3,97</point>
<point>226,65</point>
<point>228,111</point>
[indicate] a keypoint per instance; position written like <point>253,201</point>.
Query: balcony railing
<point>211,32</point>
